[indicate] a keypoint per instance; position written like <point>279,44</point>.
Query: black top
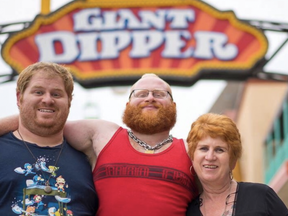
<point>22,180</point>
<point>252,199</point>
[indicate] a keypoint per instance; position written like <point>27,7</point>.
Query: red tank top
<point>131,183</point>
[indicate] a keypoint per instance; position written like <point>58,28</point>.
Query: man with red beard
<point>143,170</point>
<point>34,155</point>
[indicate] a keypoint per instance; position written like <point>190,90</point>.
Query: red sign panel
<point>113,42</point>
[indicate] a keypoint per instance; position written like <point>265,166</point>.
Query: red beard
<point>150,122</point>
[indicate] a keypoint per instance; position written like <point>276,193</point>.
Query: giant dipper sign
<point>113,42</point>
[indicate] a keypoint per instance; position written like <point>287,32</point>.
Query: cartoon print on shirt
<point>38,200</point>
<point>60,184</point>
<point>27,169</point>
<point>34,200</point>
<point>30,210</point>
<point>41,164</point>
<point>52,170</point>
<point>69,213</point>
<point>37,179</point>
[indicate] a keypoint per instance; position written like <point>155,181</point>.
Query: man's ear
<point>18,96</point>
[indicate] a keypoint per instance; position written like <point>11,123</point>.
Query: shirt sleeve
<point>275,206</point>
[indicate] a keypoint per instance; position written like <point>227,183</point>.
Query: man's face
<point>44,105</point>
<point>150,115</point>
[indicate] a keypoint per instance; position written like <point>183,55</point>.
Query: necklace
<point>47,187</point>
<point>149,149</point>
<point>225,212</point>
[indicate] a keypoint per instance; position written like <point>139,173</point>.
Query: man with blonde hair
<point>35,160</point>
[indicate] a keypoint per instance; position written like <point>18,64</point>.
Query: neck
<point>28,136</point>
<point>218,201</point>
<point>152,139</point>
<point>211,192</point>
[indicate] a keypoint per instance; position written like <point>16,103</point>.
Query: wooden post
<point>45,7</point>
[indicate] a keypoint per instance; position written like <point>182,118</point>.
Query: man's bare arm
<point>85,135</point>
<point>89,136</point>
<point>10,123</point>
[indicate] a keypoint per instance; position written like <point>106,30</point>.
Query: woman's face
<point>211,160</point>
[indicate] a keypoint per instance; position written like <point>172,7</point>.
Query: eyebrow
<point>214,146</point>
<point>41,87</point>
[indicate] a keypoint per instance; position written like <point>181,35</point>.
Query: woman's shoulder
<point>258,197</point>
<point>253,186</point>
<point>254,190</point>
<point>250,192</point>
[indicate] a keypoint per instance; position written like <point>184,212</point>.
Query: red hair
<point>216,126</point>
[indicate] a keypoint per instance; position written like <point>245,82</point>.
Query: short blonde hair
<point>51,69</point>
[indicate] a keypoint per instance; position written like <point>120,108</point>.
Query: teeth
<point>210,166</point>
<point>44,110</point>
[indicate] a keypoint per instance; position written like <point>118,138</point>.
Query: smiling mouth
<point>46,110</point>
<point>149,107</point>
<point>210,166</point>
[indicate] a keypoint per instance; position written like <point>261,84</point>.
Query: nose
<point>150,97</point>
<point>47,98</point>
<point>210,155</point>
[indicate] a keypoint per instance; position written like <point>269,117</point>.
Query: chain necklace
<point>47,187</point>
<point>148,148</point>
